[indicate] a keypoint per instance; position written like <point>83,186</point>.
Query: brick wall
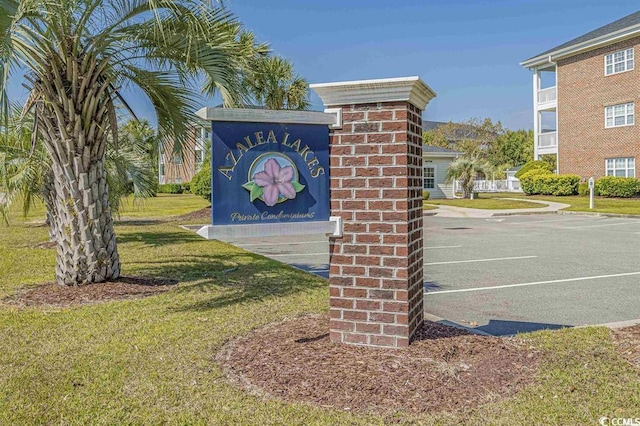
<point>583,93</point>
<point>376,276</point>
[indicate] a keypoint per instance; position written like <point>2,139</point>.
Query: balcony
<point>548,143</point>
<point>547,98</point>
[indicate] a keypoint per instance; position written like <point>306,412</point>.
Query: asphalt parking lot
<point>505,275</point>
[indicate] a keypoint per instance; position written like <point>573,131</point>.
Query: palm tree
<point>464,169</point>
<point>274,85</point>
<point>26,174</point>
<point>78,54</point>
<point>138,136</point>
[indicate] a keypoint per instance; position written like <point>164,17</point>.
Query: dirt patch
<point>444,369</point>
<point>628,342</point>
<point>202,214</point>
<point>53,295</point>
<point>46,245</point>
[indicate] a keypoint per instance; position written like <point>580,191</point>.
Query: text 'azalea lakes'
<point>257,139</point>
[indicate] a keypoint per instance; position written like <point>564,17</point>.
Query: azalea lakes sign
<point>269,172</point>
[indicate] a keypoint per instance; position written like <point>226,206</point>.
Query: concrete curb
<point>434,318</point>
<point>615,325</point>
<point>629,216</point>
<point>525,213</point>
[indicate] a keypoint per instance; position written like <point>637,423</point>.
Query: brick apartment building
<point>181,168</point>
<point>584,97</point>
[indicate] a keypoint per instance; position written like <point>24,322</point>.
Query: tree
<point>274,85</point>
<point>141,137</point>
<point>512,148</point>
<point>26,174</point>
<point>472,137</point>
<point>465,169</point>
<point>77,55</point>
<point>499,148</point>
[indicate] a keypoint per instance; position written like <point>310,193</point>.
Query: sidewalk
<point>451,211</point>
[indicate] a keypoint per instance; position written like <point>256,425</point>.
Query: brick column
<point>376,268</point>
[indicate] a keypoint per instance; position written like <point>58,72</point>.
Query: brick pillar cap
<point>254,115</point>
<point>409,89</point>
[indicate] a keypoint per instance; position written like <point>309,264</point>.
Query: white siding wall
<point>442,189</point>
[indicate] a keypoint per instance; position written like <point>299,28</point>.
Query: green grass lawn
<point>486,203</point>
<point>150,361</point>
<point>162,205</point>
<point>581,204</point>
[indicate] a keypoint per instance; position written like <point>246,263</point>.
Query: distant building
<point>435,162</point>
<point>584,96</point>
<point>182,167</point>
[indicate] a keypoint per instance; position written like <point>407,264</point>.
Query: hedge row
<point>611,186</point>
<point>543,182</point>
<point>533,165</point>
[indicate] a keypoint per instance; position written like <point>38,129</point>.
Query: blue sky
<point>468,51</point>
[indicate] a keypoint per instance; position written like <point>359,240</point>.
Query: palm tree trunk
<point>83,224</point>
<point>75,122</point>
<point>49,197</point>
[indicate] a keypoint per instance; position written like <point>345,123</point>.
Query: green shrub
<point>425,194</point>
<point>622,187</point>
<point>201,182</point>
<point>527,183</point>
<point>583,189</point>
<point>546,183</point>
<point>532,165</point>
<point>186,188</point>
<point>170,188</point>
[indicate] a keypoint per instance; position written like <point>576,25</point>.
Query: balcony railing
<point>504,185</point>
<point>547,95</point>
<point>548,140</point>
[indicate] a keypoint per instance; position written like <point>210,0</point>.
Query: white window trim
<point>626,169</point>
<point>435,176</point>
<point>613,67</point>
<point>633,106</point>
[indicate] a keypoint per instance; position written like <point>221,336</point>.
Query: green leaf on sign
<point>297,186</point>
<point>256,192</point>
<point>249,185</point>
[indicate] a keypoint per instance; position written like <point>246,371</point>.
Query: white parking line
<point>567,280</point>
<point>479,260</point>
<point>441,247</point>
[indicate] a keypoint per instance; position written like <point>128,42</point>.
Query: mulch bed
<point>53,295</point>
<point>444,369</point>
<point>628,342</point>
<point>202,214</point>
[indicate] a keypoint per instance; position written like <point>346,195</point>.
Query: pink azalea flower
<point>275,181</point>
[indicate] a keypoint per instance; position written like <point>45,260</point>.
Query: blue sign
<point>269,172</point>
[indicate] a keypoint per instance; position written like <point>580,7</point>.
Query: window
<point>177,159</point>
<point>162,169</point>
<point>199,154</point>
<point>429,181</point>
<point>618,62</point>
<point>621,167</point>
<point>179,180</point>
<point>619,115</point>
